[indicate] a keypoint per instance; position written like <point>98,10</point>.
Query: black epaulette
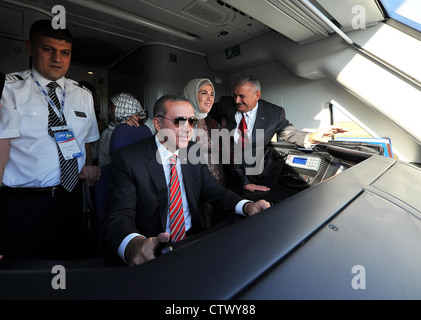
<point>13,77</point>
<point>7,78</point>
<point>82,86</point>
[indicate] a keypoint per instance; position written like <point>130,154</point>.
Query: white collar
<point>43,81</point>
<point>253,112</point>
<point>164,153</point>
<point>250,114</point>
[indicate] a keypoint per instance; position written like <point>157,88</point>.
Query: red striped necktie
<point>242,127</point>
<point>178,231</point>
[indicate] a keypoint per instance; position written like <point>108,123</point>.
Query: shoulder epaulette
<point>81,86</point>
<point>13,77</point>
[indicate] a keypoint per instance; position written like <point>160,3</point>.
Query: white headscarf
<point>190,92</point>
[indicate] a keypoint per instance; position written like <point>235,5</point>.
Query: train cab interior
<point>351,63</point>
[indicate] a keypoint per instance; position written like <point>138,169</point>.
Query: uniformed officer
<point>47,123</point>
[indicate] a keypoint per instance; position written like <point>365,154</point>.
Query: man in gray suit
<point>260,114</point>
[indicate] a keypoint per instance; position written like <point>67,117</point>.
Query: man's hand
<point>90,174</point>
<point>4,156</point>
<point>251,208</point>
<point>141,249</point>
<point>325,134</point>
<point>254,187</point>
<point>134,120</point>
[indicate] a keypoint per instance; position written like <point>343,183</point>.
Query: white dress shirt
<point>250,117</point>
<point>33,160</point>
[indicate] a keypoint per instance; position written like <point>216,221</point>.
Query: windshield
<point>407,12</point>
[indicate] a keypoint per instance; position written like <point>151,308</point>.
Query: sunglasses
<point>192,120</point>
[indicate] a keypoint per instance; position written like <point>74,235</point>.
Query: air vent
<point>203,12</point>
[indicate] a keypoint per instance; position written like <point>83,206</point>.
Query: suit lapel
<point>260,122</point>
<point>156,171</point>
<point>187,179</point>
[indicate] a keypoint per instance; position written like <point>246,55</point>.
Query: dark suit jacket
<point>271,118</point>
<point>138,198</point>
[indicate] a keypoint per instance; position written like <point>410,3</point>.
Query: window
<point>340,117</point>
<point>357,131</point>
<point>407,12</point>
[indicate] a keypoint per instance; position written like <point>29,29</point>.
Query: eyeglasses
<point>192,120</point>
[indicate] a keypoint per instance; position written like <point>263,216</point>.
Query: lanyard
<point>51,102</point>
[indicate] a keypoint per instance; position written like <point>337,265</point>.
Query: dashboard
<point>300,168</point>
<point>311,245</point>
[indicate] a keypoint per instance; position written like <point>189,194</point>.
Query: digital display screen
<point>299,160</point>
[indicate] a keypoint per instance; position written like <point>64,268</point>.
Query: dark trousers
<point>42,225</point>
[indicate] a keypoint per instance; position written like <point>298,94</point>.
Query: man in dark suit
<point>139,216</point>
<point>268,117</point>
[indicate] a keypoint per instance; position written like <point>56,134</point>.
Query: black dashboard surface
<point>364,223</point>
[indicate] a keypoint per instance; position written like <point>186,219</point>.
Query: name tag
<point>80,114</point>
<point>68,144</point>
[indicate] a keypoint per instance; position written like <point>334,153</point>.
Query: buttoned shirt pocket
<point>33,121</point>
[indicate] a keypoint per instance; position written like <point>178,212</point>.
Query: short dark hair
<point>159,107</point>
<point>43,28</point>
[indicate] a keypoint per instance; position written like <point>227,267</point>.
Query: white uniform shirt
<point>33,160</point>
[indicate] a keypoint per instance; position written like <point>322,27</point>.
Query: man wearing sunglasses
<point>140,209</point>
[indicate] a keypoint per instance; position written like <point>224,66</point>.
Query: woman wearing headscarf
<point>201,94</point>
<point>123,105</point>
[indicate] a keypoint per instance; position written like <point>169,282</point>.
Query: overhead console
<point>293,18</point>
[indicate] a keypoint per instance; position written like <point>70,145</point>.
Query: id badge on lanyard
<point>67,143</point>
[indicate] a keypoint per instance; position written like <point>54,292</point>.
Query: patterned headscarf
<point>126,105</point>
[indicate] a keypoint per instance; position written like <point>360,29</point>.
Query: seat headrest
<point>124,135</point>
<point>225,103</point>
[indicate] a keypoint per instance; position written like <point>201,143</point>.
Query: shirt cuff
<point>123,244</point>
<point>239,207</point>
<point>307,143</point>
